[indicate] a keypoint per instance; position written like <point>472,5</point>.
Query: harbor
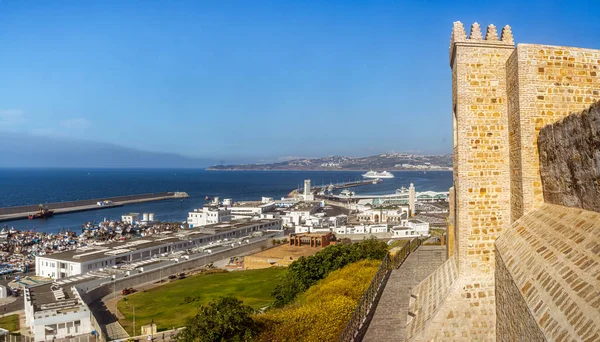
<point>322,189</point>
<point>57,208</point>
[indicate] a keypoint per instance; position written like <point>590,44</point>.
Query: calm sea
<point>34,186</point>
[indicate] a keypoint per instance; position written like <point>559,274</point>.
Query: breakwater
<point>21,212</point>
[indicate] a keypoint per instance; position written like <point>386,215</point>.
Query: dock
<point>22,212</point>
<point>337,186</point>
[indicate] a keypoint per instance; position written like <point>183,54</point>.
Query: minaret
<point>411,198</point>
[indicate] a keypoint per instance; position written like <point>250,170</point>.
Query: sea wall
<point>71,204</point>
<point>570,160</point>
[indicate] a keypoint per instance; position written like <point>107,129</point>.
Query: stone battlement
<point>459,36</point>
<point>539,280</point>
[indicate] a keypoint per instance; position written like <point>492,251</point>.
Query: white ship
<point>375,174</point>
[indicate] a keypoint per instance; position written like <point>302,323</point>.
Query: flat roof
<point>106,250</point>
<point>304,206</point>
<point>43,298</point>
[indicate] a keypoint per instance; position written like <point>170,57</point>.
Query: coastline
<point>324,170</point>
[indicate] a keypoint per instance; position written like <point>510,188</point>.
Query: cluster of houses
<point>302,214</point>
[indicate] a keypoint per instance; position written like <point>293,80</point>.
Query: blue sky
<point>259,80</point>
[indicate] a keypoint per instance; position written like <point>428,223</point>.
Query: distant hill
<point>385,161</point>
<point>22,150</point>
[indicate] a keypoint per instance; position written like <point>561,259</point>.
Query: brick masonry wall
<point>481,175</point>
<point>468,313</point>
<point>428,297</point>
<point>450,231</point>
<point>552,256</point>
<point>553,82</point>
<point>510,305</point>
<point>570,160</point>
<point>514,137</point>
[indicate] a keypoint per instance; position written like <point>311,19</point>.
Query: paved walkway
<point>389,320</point>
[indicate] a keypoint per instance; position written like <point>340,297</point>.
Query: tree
<point>224,319</point>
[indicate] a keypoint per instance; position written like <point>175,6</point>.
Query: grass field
<point>10,322</point>
<point>171,304</point>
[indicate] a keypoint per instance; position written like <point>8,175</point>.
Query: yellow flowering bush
<point>321,313</point>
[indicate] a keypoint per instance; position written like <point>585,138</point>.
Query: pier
<point>22,212</point>
<point>337,186</point>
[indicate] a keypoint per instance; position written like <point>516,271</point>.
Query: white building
<point>421,227</point>
<point>53,312</point>
<point>246,209</point>
<point>286,202</point>
<point>102,255</point>
<point>130,218</point>
<point>363,229</point>
<point>391,216</point>
<point>208,215</point>
<point>411,228</point>
<point>404,232</point>
<point>307,195</point>
<point>302,212</point>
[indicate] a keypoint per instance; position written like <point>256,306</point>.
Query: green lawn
<point>169,305</point>
<point>10,322</point>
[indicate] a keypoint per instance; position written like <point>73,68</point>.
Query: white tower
<point>308,196</point>
<point>411,198</point>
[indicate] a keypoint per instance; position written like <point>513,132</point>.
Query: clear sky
<point>257,80</point>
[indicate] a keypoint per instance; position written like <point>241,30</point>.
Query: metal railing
<point>355,328</point>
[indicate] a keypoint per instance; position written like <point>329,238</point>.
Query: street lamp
<point>133,306</point>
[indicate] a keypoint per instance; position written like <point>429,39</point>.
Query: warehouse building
<point>106,255</point>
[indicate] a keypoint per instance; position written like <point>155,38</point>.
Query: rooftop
<point>43,297</point>
<point>304,206</point>
<point>106,250</point>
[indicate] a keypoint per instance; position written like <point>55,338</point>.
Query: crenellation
<point>491,33</point>
<point>506,35</point>
<point>475,32</point>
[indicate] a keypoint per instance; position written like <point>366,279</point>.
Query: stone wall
<point>514,137</point>
<point>481,168</point>
<point>450,230</point>
<point>551,82</point>
<point>509,305</point>
<point>570,160</point>
<point>429,295</point>
<point>549,277</point>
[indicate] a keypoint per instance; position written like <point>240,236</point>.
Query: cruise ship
<point>375,174</point>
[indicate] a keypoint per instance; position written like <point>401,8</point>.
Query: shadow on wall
<point>570,160</point>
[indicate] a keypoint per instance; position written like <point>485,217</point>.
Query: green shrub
<point>306,271</point>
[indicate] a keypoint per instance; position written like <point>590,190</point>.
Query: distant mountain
<point>385,161</point>
<point>22,150</point>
